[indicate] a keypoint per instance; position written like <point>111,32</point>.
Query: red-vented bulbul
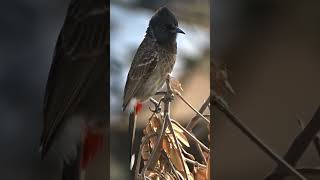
<point>153,61</point>
<point>75,110</point>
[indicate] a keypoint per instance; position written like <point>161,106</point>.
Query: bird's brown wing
<point>79,53</point>
<point>143,64</point>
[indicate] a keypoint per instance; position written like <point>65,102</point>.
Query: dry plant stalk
<point>164,149</point>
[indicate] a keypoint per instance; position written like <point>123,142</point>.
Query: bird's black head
<point>164,26</point>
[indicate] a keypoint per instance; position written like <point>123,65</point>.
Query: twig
<point>182,158</point>
<point>299,145</point>
<point>220,104</point>
<point>201,153</point>
<point>316,140</point>
<point>305,171</point>
<point>195,163</point>
<point>139,154</point>
<point>167,118</point>
<point>156,151</point>
<point>204,147</point>
<point>193,122</point>
<point>206,120</point>
<point>171,165</point>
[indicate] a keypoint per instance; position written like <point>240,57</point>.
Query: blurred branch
<point>193,122</point>
<point>222,106</point>
<point>316,140</point>
<point>298,146</point>
<point>305,171</point>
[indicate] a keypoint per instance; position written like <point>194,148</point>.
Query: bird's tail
<point>71,170</point>
<point>132,130</point>
<point>75,169</point>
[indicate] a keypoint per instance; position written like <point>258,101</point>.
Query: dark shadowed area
<point>29,30</point>
<point>271,49</point>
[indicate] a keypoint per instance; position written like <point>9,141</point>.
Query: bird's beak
<point>178,30</point>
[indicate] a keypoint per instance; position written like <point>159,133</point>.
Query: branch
<point>193,122</point>
<point>195,163</point>
<point>299,145</point>
<point>156,151</point>
<point>182,158</point>
<point>185,101</point>
<point>221,105</point>
<point>304,171</point>
<point>316,140</point>
<point>139,155</point>
<point>204,147</point>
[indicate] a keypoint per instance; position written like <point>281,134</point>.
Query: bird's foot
<point>157,105</point>
<point>169,97</point>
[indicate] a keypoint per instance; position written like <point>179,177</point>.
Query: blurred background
<point>129,21</point>
<point>271,49</point>
<point>29,29</point>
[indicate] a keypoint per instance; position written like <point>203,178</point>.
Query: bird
<point>219,77</point>
<point>75,108</point>
<point>153,62</point>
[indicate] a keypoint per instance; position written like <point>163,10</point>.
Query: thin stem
<point>156,151</point>
<point>182,158</point>
<point>139,155</point>
<point>196,111</point>
<point>204,147</point>
<point>193,122</point>
<point>201,153</point>
<point>315,140</point>
<point>220,104</point>
<point>171,165</point>
<point>195,163</point>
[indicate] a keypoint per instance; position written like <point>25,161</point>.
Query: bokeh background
<point>129,21</point>
<point>271,49</point>
<point>28,33</point>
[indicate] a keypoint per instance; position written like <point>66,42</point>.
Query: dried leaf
<point>169,176</point>
<point>145,153</point>
<point>147,130</point>
<point>166,145</point>
<point>188,173</point>
<point>176,85</point>
<point>201,174</point>
<point>179,134</point>
<point>175,159</point>
<point>152,175</point>
<point>206,155</point>
<point>190,176</point>
<point>155,123</point>
<point>177,128</point>
<point>188,154</point>
<point>182,138</point>
<point>171,140</point>
<point>181,176</point>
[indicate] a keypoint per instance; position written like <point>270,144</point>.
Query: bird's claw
<point>157,106</point>
<point>169,96</point>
